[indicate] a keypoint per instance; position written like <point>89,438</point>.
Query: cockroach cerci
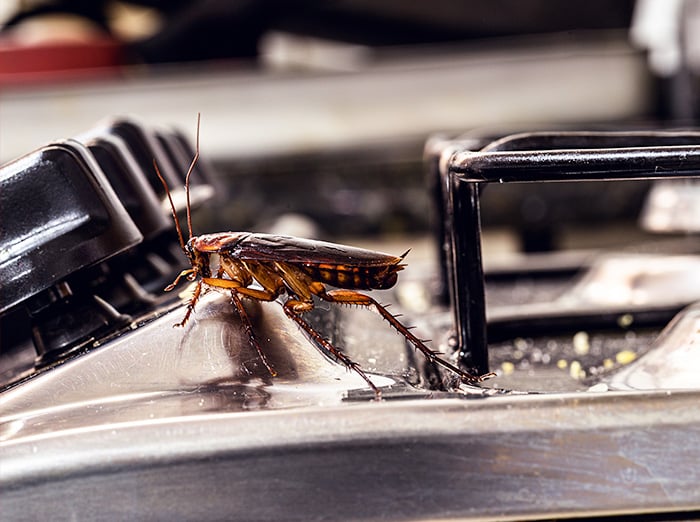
<point>297,268</point>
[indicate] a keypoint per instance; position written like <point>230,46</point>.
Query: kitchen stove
<point>106,411</point>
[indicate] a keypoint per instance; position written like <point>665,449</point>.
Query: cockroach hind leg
<point>293,314</point>
<point>471,379</point>
<point>350,296</point>
<point>486,376</point>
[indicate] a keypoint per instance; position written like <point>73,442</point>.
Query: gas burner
<point>592,411</point>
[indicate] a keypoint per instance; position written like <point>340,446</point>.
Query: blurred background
<point>315,114</point>
<point>322,119</point>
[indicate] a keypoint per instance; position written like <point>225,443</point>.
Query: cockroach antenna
<point>172,205</point>
<point>187,178</point>
<point>187,192</point>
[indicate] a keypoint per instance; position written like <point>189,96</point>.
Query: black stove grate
<point>461,168</point>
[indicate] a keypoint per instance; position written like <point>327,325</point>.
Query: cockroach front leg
<point>190,306</point>
<point>294,308</point>
<point>357,298</point>
<point>185,273</point>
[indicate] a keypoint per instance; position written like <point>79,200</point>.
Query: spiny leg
<point>260,295</point>
<point>356,298</point>
<point>190,306</point>
<point>245,320</point>
<point>200,290</point>
<point>293,308</point>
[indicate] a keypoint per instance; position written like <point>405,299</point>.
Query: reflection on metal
<point>638,281</point>
<point>165,363</point>
<point>187,424</point>
<point>672,363</point>
<point>616,291</point>
<point>672,206</point>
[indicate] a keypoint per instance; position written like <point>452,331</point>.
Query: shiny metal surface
<point>165,423</point>
<point>673,362</point>
<point>163,362</point>
<point>625,286</point>
<point>672,207</point>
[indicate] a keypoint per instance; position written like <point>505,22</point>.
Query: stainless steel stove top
<point>107,411</point>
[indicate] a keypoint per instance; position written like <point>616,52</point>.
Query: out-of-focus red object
<point>40,63</point>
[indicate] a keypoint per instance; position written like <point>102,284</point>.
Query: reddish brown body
<point>299,268</point>
<point>337,265</point>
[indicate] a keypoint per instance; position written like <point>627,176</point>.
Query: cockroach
<point>299,268</point>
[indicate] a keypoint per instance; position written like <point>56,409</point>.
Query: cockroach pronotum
<point>299,268</point>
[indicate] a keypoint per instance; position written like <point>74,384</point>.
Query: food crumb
<point>625,356</point>
<point>581,343</point>
<point>576,371</point>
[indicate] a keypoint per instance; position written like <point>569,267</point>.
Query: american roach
<point>299,268</point>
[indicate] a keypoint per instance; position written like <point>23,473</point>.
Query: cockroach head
<point>198,258</point>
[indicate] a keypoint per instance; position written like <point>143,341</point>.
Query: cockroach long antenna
<point>187,179</point>
<point>172,206</point>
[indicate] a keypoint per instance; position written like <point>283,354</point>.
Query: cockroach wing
<point>289,249</point>
<point>338,265</point>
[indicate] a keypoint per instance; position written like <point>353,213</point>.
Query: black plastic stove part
<point>145,146</point>
<point>58,214</point>
<point>130,183</point>
<point>151,263</point>
<point>181,152</point>
<point>66,211</point>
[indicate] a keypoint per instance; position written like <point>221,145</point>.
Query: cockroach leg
<point>184,273</point>
<point>228,284</point>
<point>293,308</point>
<point>357,298</point>
<point>190,306</point>
<point>236,290</point>
<point>245,320</point>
